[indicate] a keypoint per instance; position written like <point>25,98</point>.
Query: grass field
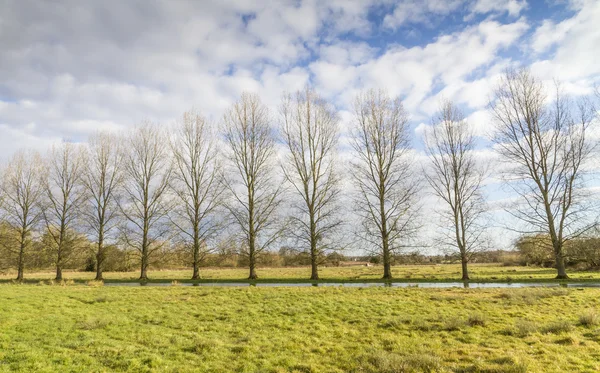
<point>444,272</point>
<point>178,329</point>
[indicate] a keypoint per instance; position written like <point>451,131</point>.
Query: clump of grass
<point>532,296</point>
<point>201,347</point>
<point>477,319</point>
<point>394,324</point>
<point>453,324</point>
<point>386,362</point>
<point>92,324</point>
<point>422,325</point>
<point>524,328</point>
<point>95,283</point>
<point>302,368</point>
<point>57,283</point>
<point>558,327</point>
<point>175,283</point>
<point>589,318</point>
<point>101,300</point>
<point>568,340</point>
<point>509,364</point>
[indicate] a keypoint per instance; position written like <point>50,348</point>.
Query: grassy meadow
<point>81,328</point>
<point>416,273</point>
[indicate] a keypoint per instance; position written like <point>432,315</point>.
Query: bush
<point>477,320</point>
<point>386,362</point>
<point>558,327</point>
<point>525,328</point>
<point>590,318</point>
<point>453,324</point>
<point>535,250</point>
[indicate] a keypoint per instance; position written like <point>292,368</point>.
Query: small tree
<point>147,170</point>
<point>384,175</point>
<point>456,178</point>
<point>255,194</point>
<point>310,131</point>
<point>196,185</point>
<point>22,191</point>
<point>64,197</point>
<point>544,147</point>
<point>102,178</point>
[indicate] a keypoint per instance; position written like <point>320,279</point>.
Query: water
<point>473,285</point>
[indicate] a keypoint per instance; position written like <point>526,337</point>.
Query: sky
<point>70,68</point>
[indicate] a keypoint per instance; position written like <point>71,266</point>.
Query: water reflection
<point>466,285</point>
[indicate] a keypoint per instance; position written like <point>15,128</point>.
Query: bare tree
<point>147,170</point>
<point>544,146</point>
<point>383,174</point>
<point>310,132</point>
<point>255,192</point>
<point>456,178</point>
<point>64,197</point>
<point>102,179</point>
<point>22,192</point>
<point>196,185</point>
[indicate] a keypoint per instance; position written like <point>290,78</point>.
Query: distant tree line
<point>239,189</point>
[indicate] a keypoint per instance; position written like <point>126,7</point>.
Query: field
<point>81,328</point>
<point>412,273</point>
<point>181,329</point>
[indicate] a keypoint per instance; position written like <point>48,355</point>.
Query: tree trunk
<point>314,270</point>
<point>144,268</point>
<point>144,272</point>
<point>314,255</point>
<point>387,260</point>
<point>560,260</point>
<point>99,260</point>
<point>465,270</point>
<point>195,264</point>
<point>59,263</point>
<point>196,274</point>
<point>20,266</point>
<point>252,275</point>
<point>58,272</point>
<point>387,270</point>
<point>251,250</point>
<point>560,267</point>
<point>385,242</point>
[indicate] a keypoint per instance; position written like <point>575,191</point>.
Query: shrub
<point>525,328</point>
<point>558,327</point>
<point>386,362</point>
<point>453,324</point>
<point>590,318</point>
<point>92,324</point>
<point>477,319</point>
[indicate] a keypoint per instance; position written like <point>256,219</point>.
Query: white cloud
<point>512,7</point>
<point>414,72</point>
<point>575,41</point>
<point>427,12</point>
<point>66,71</point>
<point>419,11</point>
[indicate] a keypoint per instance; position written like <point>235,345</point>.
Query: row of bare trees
<point>258,185</point>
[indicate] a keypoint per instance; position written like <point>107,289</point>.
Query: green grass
<point>177,329</point>
<point>411,273</point>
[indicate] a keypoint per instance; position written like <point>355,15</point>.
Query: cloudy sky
<point>68,68</point>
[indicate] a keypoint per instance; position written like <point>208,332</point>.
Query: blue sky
<point>69,68</point>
